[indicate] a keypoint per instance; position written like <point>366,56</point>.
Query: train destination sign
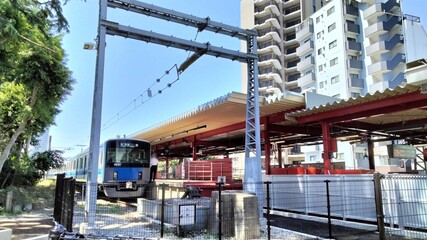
<point>401,151</point>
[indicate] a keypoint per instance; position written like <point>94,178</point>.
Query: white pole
<point>92,177</point>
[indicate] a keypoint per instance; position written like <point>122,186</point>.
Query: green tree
<point>33,77</point>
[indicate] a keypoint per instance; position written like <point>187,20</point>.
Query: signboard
<point>187,214</point>
<point>401,151</point>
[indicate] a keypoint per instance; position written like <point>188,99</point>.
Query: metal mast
<point>252,179</point>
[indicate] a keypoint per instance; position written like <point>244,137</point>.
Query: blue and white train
<point>123,167</point>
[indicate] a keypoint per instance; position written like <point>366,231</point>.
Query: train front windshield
<point>128,153</point>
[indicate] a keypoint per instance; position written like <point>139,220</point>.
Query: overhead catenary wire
<point>139,100</point>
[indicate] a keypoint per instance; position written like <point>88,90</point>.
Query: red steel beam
<point>294,129</point>
<point>382,106</point>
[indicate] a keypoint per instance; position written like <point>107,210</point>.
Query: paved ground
<point>27,228</point>
<point>321,229</point>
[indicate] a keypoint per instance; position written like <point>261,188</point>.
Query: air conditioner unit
<point>424,88</point>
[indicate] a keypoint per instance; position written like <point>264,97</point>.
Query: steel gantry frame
<point>252,178</point>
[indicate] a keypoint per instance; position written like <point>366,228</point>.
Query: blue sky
<point>132,66</point>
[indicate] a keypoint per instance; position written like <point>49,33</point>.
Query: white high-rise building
<point>276,22</point>
<point>341,48</point>
<point>43,143</point>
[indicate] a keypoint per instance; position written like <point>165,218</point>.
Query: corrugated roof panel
<point>399,90</point>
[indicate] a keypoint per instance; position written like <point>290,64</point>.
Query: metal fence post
<point>379,205</point>
<point>70,204</point>
<point>268,209</point>
<point>219,210</point>
<point>162,215</point>
<point>58,197</point>
<point>328,204</point>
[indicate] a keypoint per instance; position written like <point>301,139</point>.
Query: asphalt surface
<point>321,229</point>
<point>27,228</point>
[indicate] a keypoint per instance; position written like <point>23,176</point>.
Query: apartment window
<point>320,68</point>
<point>332,44</point>
<point>318,19</point>
<point>350,39</point>
<point>319,51</point>
<point>319,35</point>
<point>331,10</point>
<point>333,62</point>
<point>354,76</point>
<point>335,79</point>
<point>340,156</point>
<point>308,72</point>
<point>352,57</point>
<point>309,55</point>
<point>331,27</point>
<point>355,94</point>
<point>321,85</point>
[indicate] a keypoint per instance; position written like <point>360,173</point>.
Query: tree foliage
<point>27,171</point>
<point>34,79</point>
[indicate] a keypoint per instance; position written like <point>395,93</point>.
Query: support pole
<point>253,177</point>
<point>279,155</point>
<point>95,132</point>
<point>371,154</point>
<point>267,147</point>
<point>326,147</point>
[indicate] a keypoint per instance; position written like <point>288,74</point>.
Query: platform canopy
<point>218,126</point>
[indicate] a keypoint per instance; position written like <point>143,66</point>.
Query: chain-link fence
<point>326,206</point>
<point>404,201</point>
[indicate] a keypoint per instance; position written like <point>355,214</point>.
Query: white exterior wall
<point>415,40</point>
<point>338,89</point>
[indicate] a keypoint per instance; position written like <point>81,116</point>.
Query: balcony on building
<point>267,34</point>
<point>379,28</point>
<point>378,86</point>
<point>262,2</point>
<point>291,24</point>
<point>306,80</point>
<point>266,9</point>
<point>351,11</point>
<point>291,52</point>
<point>352,28</point>
<point>290,39</point>
<point>384,46</point>
<point>354,64</point>
<point>292,65</point>
<point>269,47</point>
<point>355,82</point>
<point>353,46</point>
<point>305,64</point>
<point>267,22</point>
<point>304,30</point>
<point>306,47</point>
<point>269,60</point>
<point>387,65</point>
<point>270,73</point>
<point>293,77</point>
<point>291,12</point>
<point>380,9</point>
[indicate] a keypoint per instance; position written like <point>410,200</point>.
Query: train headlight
<point>115,176</point>
<point>140,175</point>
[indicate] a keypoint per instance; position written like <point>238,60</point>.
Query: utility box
<point>187,214</point>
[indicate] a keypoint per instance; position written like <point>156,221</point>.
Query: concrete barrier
<point>5,234</point>
<point>239,216</point>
